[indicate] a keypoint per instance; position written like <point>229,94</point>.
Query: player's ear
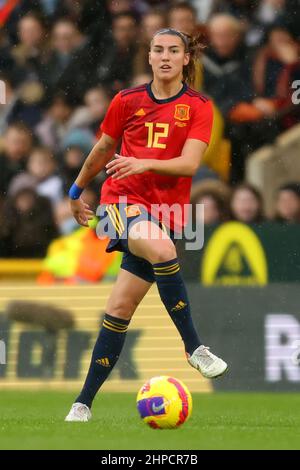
<point>149,58</point>
<point>186,58</point>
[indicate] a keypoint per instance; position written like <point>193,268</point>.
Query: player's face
<point>167,57</point>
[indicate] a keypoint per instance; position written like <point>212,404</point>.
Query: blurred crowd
<point>62,61</point>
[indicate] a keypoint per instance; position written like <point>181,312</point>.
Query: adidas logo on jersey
<point>140,112</point>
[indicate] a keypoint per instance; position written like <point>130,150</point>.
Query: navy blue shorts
<point>115,221</point>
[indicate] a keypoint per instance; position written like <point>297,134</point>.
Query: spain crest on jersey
<point>182,112</point>
<point>132,210</point>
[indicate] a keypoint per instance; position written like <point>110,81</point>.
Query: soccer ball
<point>164,402</point>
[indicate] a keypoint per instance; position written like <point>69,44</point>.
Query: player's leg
<point>126,295</point>
<point>148,241</point>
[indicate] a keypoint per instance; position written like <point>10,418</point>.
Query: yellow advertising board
<point>234,255</point>
<point>37,359</point>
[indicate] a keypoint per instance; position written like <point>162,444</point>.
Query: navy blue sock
<point>106,352</point>
<point>174,296</point>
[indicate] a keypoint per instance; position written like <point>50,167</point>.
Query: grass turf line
<point>34,420</point>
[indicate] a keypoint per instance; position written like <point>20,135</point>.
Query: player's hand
<point>121,167</point>
<point>81,211</point>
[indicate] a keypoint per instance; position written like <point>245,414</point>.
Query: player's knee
<point>122,308</point>
<point>163,253</point>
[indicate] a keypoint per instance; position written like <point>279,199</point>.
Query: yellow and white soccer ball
<point>164,402</point>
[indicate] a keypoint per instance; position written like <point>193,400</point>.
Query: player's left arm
<point>185,165</point>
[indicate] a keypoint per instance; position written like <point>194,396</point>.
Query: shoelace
<point>80,410</point>
<point>205,356</point>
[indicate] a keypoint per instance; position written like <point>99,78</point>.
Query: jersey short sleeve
<point>202,121</point>
<point>113,123</point>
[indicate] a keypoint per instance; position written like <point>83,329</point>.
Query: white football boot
<point>79,412</point>
<point>207,363</point>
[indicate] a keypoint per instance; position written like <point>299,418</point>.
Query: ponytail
<point>195,48</point>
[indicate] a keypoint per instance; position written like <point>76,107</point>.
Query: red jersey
<point>157,129</point>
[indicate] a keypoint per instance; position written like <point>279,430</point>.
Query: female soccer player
<point>165,128</point>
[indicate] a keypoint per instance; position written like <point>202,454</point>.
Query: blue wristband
<point>75,191</point>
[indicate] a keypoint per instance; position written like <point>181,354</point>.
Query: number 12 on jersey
<point>154,134</point>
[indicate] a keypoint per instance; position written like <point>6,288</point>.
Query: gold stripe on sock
<point>168,270</point>
<point>113,325</point>
<point>114,329</point>
<point>164,268</point>
<point>175,270</point>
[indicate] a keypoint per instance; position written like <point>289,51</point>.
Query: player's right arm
<point>112,129</point>
<point>95,162</point>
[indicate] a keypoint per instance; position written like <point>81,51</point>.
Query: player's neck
<point>164,90</point>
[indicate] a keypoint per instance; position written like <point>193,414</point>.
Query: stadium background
<point>61,62</point>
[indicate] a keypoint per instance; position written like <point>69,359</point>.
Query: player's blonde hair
<point>193,46</point>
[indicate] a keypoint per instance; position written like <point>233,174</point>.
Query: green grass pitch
<point>34,420</point>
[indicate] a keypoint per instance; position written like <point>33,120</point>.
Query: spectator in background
<point>227,79</point>
<point>210,202</point>
<point>7,63</point>
<point>79,11</point>
<point>116,67</point>
<point>16,9</point>
<point>33,47</point>
<point>73,159</point>
<point>23,103</point>
<point>140,7</point>
<point>10,100</point>
<point>246,204</point>
<point>261,119</point>
<point>276,66</point>
<point>258,17</point>
<point>151,22</point>
<point>92,18</point>
<point>155,3</point>
<point>241,9</point>
<point>96,100</point>
<point>288,203</point>
<point>291,17</point>
<point>76,147</point>
<point>270,11</point>
<point>26,225</point>
<point>115,7</point>
<point>226,63</point>
<point>183,17</point>
<point>49,6</point>
<point>17,144</point>
<point>61,117</point>
<point>67,43</point>
<point>206,8</point>
<point>42,168</point>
